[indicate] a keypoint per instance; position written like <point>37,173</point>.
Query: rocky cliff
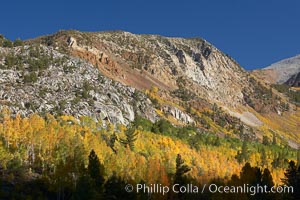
<point>143,61</point>
<point>190,67</point>
<point>40,79</point>
<point>294,81</point>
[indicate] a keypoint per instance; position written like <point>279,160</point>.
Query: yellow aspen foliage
<point>36,122</point>
<point>68,118</point>
<point>154,89</point>
<point>49,140</point>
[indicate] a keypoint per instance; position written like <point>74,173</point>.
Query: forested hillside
<point>49,157</point>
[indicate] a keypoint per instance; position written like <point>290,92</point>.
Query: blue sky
<point>254,32</point>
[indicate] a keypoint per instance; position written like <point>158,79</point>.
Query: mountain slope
<point>294,81</point>
<point>143,61</point>
<point>40,79</point>
<point>280,72</point>
<point>185,81</point>
<point>188,72</point>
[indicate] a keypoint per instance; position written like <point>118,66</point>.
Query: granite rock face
<point>284,71</point>
<point>143,61</point>
<point>294,81</point>
<point>66,85</point>
<point>178,114</point>
<point>105,74</point>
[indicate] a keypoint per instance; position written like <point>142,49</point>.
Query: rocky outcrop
<point>178,114</point>
<point>143,61</point>
<point>71,86</point>
<point>294,81</point>
<point>72,42</point>
<point>181,57</point>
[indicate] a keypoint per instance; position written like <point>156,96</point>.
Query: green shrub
<point>18,42</point>
<point>30,78</point>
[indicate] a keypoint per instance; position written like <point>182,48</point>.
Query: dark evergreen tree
<point>7,43</point>
<point>267,180</point>
<point>18,42</point>
<point>142,123</point>
<point>253,176</point>
<point>274,142</point>
<point>181,169</point>
<point>266,140</point>
<point>243,155</point>
<point>217,142</point>
<point>131,137</point>
<point>292,179</point>
<point>96,170</point>
<point>263,157</point>
<point>276,161</point>
<point>250,175</point>
<point>235,181</point>
<point>280,160</point>
<point>85,189</point>
<point>112,140</point>
<point>258,175</point>
<point>114,189</point>
<point>164,127</point>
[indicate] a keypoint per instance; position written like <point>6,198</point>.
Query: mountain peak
<point>281,71</point>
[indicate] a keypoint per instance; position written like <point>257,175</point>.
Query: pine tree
<point>263,157</point>
<point>265,140</point>
<point>292,178</point>
<point>131,137</point>
<point>112,140</point>
<point>217,142</point>
<point>18,42</point>
<point>181,169</point>
<point>250,175</point>
<point>244,154</point>
<point>114,188</point>
<point>274,142</point>
<point>267,180</point>
<point>85,188</point>
<point>96,169</point>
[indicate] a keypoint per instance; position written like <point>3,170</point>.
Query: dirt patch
<point>248,118</point>
<point>117,70</point>
<point>269,76</point>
